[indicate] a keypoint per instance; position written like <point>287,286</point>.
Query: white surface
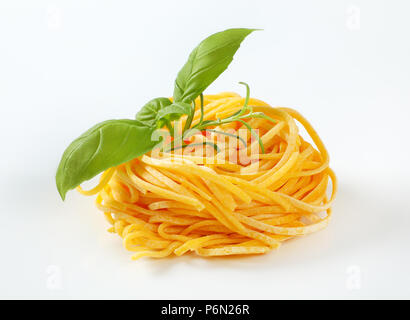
<point>66,65</point>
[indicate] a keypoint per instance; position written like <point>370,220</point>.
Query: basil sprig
<point>114,142</point>
<point>149,112</point>
<point>206,62</point>
<point>105,145</point>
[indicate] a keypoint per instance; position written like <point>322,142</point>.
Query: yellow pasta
<point>174,203</point>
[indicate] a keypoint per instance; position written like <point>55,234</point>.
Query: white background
<point>66,65</point>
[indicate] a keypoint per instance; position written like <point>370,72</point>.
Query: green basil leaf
<point>174,111</point>
<point>206,62</point>
<point>148,113</point>
<point>105,145</point>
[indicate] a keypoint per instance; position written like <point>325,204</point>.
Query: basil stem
<point>228,134</point>
<point>254,134</point>
<point>194,145</point>
<point>190,117</point>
